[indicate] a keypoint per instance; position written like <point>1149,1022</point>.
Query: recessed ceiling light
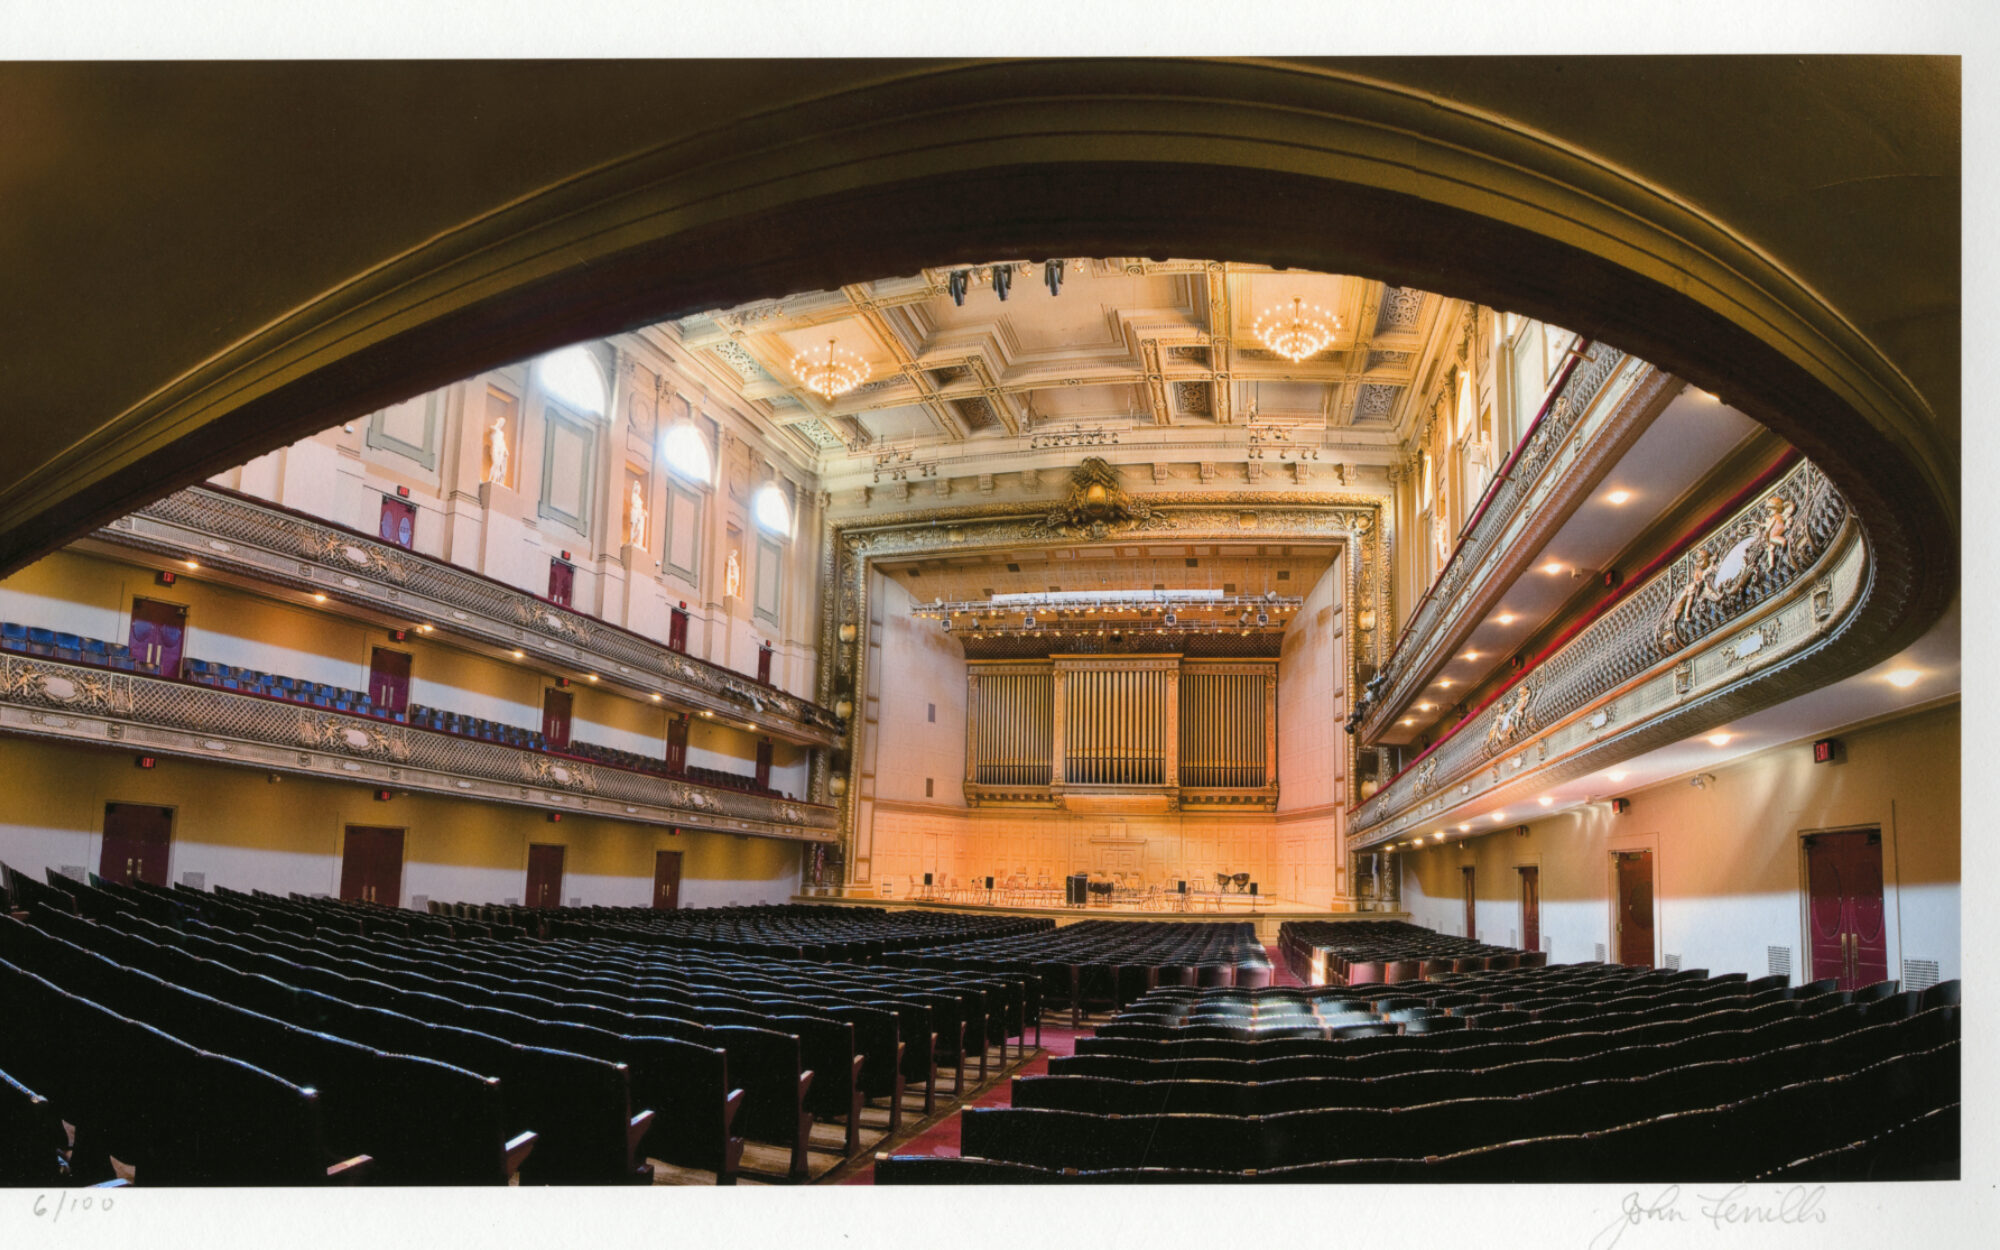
<point>1498,817</point>
<point>191,564</point>
<point>656,698</point>
<point>319,598</point>
<point>1902,678</point>
<point>1545,800</point>
<point>1552,567</point>
<point>1617,774</point>
<point>1719,740</point>
<point>425,629</point>
<point>520,655</point>
<point>1505,618</point>
<point>1465,828</point>
<point>1444,681</point>
<point>1423,707</point>
<point>591,677</point>
<point>1471,655</point>
<point>1409,720</point>
<point>1618,497</point>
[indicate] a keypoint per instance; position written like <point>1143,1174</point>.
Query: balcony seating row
<point>288,689</point>
<point>70,648</point>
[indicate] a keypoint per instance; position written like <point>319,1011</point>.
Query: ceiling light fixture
<point>1545,801</point>
<point>1902,678</point>
<point>1552,568</point>
<point>1498,817</point>
<point>835,372</point>
<point>1618,497</point>
<point>1719,740</point>
<point>1617,775</point>
<point>1297,332</point>
<point>1505,618</point>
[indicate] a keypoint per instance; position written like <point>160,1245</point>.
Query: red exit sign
<point>1827,751</point>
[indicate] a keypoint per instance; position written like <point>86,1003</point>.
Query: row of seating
<point>790,930</point>
<point>1353,952</point>
<point>71,648</point>
<point>288,689</point>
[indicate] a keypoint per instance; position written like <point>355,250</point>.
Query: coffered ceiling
<point>1105,345</point>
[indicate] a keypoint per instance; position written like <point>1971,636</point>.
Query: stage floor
<point>1266,912</point>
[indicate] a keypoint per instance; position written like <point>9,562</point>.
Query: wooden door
<point>556,706</point>
<point>159,632</point>
<point>137,837</point>
<point>677,630</point>
<point>764,763</point>
<point>545,874</point>
<point>1531,907</point>
<point>399,522</point>
<point>389,680</point>
<point>666,880</point>
<point>764,664</point>
<point>677,743</point>
<point>562,582</point>
<point>1850,939</point>
<point>371,866</point>
<point>1635,908</point>
<point>1471,901</point>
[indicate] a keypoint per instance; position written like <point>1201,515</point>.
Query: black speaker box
<point>927,878</point>
<point>1253,887</point>
<point>1182,885</point>
<point>989,883</point>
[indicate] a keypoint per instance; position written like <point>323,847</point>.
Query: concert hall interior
<point>936,622</point>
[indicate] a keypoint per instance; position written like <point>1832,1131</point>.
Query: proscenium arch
<point>1309,167</point>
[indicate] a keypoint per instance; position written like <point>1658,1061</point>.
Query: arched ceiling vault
<point>211,261</point>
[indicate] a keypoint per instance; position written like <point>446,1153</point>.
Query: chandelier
<point>1297,332</point>
<point>835,371</point>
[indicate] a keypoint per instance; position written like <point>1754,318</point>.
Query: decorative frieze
<point>273,545</point>
<point>46,698</point>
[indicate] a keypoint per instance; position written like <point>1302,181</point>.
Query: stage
<point>1265,911</point>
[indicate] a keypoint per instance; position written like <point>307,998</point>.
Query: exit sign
<point>1827,751</point>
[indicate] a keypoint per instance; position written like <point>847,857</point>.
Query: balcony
<point>1599,406</point>
<point>46,698</point>
<point>273,545</point>
<point>1722,626</point>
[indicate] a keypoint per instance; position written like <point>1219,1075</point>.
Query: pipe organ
<point>1075,730</point>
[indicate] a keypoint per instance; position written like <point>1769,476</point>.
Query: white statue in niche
<point>496,451</point>
<point>732,577</point>
<point>635,516</point>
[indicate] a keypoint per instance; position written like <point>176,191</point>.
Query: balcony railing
<point>72,702</point>
<point>273,544</point>
<point>1771,580</point>
<point>1591,407</point>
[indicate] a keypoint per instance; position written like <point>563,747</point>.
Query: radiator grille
<point>1673,963</point>
<point>1600,952</point>
<point>1778,960</point>
<point>1919,974</point>
<point>195,880</point>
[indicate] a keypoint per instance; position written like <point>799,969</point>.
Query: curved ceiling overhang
<point>1280,164</point>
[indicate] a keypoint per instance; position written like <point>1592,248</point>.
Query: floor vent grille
<point>1919,974</point>
<point>1778,960</point>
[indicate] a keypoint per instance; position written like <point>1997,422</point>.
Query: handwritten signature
<point>1733,1209</point>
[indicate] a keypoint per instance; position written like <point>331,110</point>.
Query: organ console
<point>1191,732</point>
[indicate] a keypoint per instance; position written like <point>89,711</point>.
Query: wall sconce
<point>847,633</point>
<point>1366,620</point>
<point>836,786</point>
<point>843,708</point>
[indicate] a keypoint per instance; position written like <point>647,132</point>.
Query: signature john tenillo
<point>1738,1207</point>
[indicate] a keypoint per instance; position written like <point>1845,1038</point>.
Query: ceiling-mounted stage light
<point>1171,619</point>
<point>1003,278</point>
<point>1052,274</point>
<point>957,282</point>
<point>834,372</point>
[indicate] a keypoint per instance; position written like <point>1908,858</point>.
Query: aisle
<point>942,1139</point>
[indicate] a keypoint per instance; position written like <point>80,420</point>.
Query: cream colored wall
<point>246,832</point>
<point>1310,865</point>
<point>922,667</point>
<point>500,532</point>
<point>1728,866</point>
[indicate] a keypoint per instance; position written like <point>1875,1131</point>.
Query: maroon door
<point>545,867</point>
<point>389,680</point>
<point>371,866</point>
<point>1635,908</point>
<point>136,838</point>
<point>677,743</point>
<point>1850,940</point>
<point>764,763</point>
<point>555,717</point>
<point>159,631</point>
<point>666,880</point>
<point>399,522</point>
<point>1471,911</point>
<point>764,664</point>
<point>1531,907</point>
<point>562,581</point>
<point>677,630</point>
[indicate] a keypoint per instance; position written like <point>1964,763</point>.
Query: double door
<point>666,880</point>
<point>545,875</point>
<point>159,632</point>
<point>1848,930</point>
<point>137,837</point>
<point>371,866</point>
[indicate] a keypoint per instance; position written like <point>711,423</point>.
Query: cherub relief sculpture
<point>1511,718</point>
